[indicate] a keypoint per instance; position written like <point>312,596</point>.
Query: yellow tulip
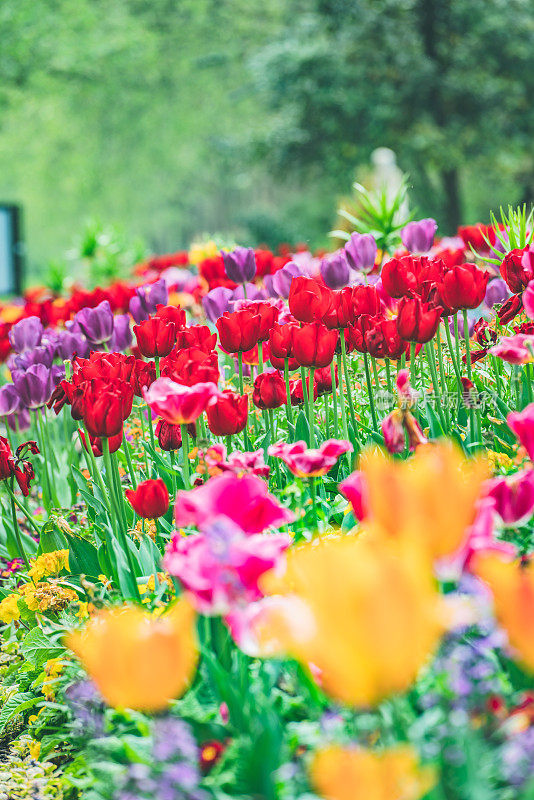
<point>376,612</point>
<point>353,774</point>
<point>431,496</point>
<point>137,660</point>
<point>512,585</point>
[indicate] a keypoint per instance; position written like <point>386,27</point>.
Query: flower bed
<point>266,525</point>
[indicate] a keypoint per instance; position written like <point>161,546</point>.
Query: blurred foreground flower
<point>354,774</point>
<point>512,586</point>
<point>377,615</point>
<point>136,660</point>
<point>430,497</point>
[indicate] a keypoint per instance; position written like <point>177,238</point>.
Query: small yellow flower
<point>9,609</point>
<point>47,596</point>
<point>34,748</point>
<point>49,564</point>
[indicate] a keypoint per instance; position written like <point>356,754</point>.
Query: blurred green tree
<point>445,83</point>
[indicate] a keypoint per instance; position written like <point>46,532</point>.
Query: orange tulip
<point>376,614</point>
<point>352,774</point>
<point>512,585</point>
<point>137,660</point>
<point>431,496</point>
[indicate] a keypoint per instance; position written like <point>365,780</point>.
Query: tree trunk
<point>453,203</point>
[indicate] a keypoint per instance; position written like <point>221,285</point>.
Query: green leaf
<point>83,556</point>
<point>37,648</point>
<point>16,705</point>
<point>302,430</point>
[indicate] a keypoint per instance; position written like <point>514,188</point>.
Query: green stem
<point>16,530</point>
<point>370,390</point>
<point>311,420</point>
<point>430,357</point>
<point>334,397</point>
<point>347,383</point>
<point>126,448</point>
<point>185,456</point>
<point>453,357</point>
<point>342,398</point>
<point>472,421</point>
<point>289,410</point>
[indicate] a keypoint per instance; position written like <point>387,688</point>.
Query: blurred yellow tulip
<point>354,774</point>
<point>375,609</point>
<point>512,585</point>
<point>137,660</point>
<point>431,496</point>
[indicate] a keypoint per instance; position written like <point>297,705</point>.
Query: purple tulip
<point>240,264</point>
<point>19,421</point>
<point>43,354</point>
<point>216,302</point>
<point>335,270</point>
<point>471,326</point>
<point>96,323</point>
<point>360,251</point>
<point>72,344</point>
<point>9,400</point>
<point>26,334</point>
<point>122,335</point>
<point>147,298</point>
<point>283,278</point>
<point>34,385</point>
<point>252,291</point>
<point>418,237</point>
<point>497,292</point>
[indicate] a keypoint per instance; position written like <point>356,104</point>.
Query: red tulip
<point>143,376</point>
<point>268,317</point>
<point>196,336</point>
<point>383,340</point>
<point>150,500</point>
<point>517,269</point>
<point>239,331</point>
<point>171,314</point>
<point>170,436</point>
<point>365,300</point>
<point>269,390</point>
<point>342,311</point>
<point>464,286</point>
<point>417,321</point>
<point>106,404</point>
<point>357,332</point>
<point>155,337</point>
<point>314,345</point>
<point>97,445</point>
<point>510,309</point>
<point>281,340</point>
<point>323,381</point>
<point>399,276</point>
<point>308,299</point>
<point>190,366</point>
<point>228,415</point>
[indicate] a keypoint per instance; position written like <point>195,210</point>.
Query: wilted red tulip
<point>269,390</point>
<point>239,331</point>
<point>150,500</point>
<point>510,309</point>
<point>106,404</point>
<point>155,337</point>
<point>383,340</point>
<point>228,415</point>
<point>517,270</point>
<point>143,376</point>
<point>464,286</point>
<point>314,345</point>
<point>15,466</point>
<point>417,321</point>
<point>308,299</point>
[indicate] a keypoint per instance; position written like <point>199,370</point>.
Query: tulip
<point>323,381</point>
<point>245,501</point>
<point>122,334</point>
<point>335,270</point>
<point>138,660</point>
<point>106,404</point>
<point>464,286</point>
<point>514,497</point>
<point>522,424</point>
<point>518,349</point>
<point>496,292</point>
<point>96,323</point>
<point>405,495</point>
<point>283,278</point>
<point>179,404</point>
<point>393,432</point>
<point>216,302</point>
<point>75,344</point>
<point>228,415</point>
<point>97,444</point>
<point>34,385</point>
<point>172,314</point>
<point>512,586</point>
<point>16,466</point>
<point>155,337</point>
<point>9,400</point>
<point>308,300</point>
<point>147,298</point>
<point>399,276</point>
<point>510,309</point>
<point>357,774</point>
<point>363,650</point>
<point>169,436</point>
<point>418,237</point>
<point>26,334</point>
<point>198,336</point>
<point>269,390</point>
<point>417,321</point>
<point>240,331</point>
<point>517,269</point>
<point>143,376</point>
<point>383,340</point>
<point>305,462</point>
<point>150,500</point>
<point>239,264</point>
<point>355,491</point>
<point>360,251</point>
<point>221,566</point>
<point>281,340</point>
<point>191,366</point>
<point>314,345</point>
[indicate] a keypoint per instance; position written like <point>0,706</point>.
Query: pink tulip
<point>221,566</point>
<point>393,431</point>
<point>518,349</point>
<point>177,404</point>
<point>522,424</point>
<point>514,497</point>
<point>355,491</point>
<point>306,462</point>
<point>288,612</point>
<point>528,300</point>
<point>243,500</point>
